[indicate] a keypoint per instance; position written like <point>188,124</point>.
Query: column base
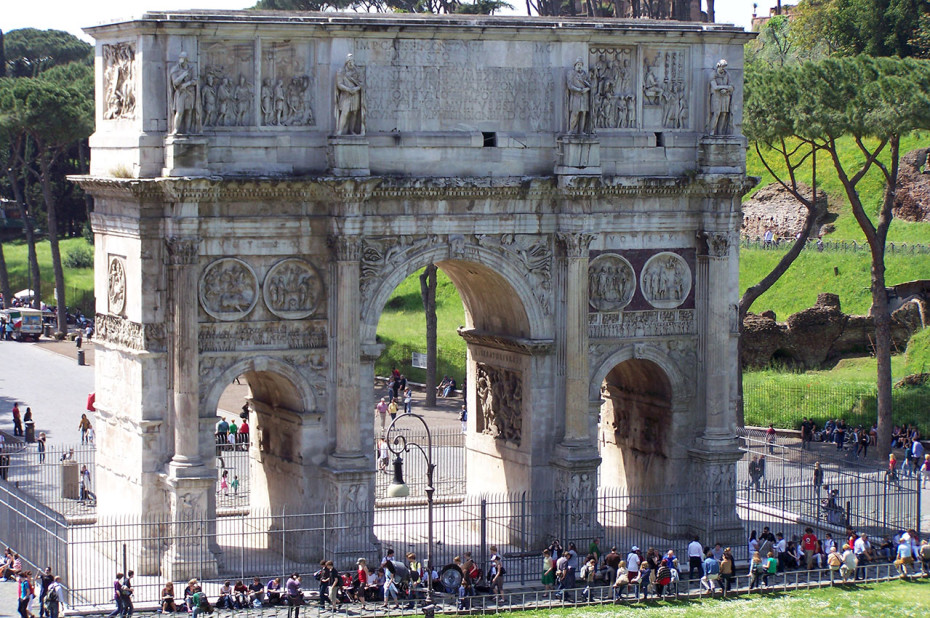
<point>348,155</point>
<point>579,155</point>
<point>714,516</point>
<point>185,156</point>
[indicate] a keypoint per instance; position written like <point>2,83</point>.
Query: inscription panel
<point>436,85</point>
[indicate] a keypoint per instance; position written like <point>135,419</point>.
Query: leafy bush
<point>81,256</point>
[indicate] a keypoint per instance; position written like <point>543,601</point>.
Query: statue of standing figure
<point>579,99</point>
<point>721,92</point>
<point>184,102</point>
<point>350,100</point>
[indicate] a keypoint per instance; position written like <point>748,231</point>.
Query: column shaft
<point>348,352</point>
<point>713,267</point>
<point>576,336</point>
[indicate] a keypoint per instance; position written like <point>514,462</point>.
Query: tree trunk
<point>51,210</point>
<point>4,280</point>
<point>428,296</point>
<point>35,278</point>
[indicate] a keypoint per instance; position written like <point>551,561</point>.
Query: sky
<point>72,15</point>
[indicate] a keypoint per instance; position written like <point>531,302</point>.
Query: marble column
<point>347,252</point>
<point>182,253</point>
<point>714,310</point>
<point>575,340</point>
<point>190,482</point>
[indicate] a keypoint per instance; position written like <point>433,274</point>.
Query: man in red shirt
<point>809,546</point>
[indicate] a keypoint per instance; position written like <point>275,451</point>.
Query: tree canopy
<point>29,51</point>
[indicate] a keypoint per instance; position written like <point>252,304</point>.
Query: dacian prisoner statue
<point>721,91</point>
<point>350,104</point>
<point>579,94</point>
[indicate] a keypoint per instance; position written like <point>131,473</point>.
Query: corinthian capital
<point>575,243</point>
<point>717,244</point>
<point>182,249</point>
<point>345,248</point>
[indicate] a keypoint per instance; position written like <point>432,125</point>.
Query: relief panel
<point>227,81</point>
<point>613,87</point>
<point>287,85</point>
<point>666,93</point>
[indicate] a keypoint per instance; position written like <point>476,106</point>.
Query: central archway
<point>502,319</point>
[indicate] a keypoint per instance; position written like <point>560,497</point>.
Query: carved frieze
<point>228,289</point>
<point>287,85</point>
<point>628,324</point>
<point>611,282</point>
<point>665,280</point>
<point>613,87</point>
<point>116,284</point>
<point>293,289</point>
<point>665,88</point>
<point>500,401</point>
<point>227,88</point>
<point>717,244</point>
<point>119,81</point>
<point>262,336</point>
<point>127,334</point>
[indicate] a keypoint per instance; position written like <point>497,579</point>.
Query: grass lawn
<point>79,282</point>
<point>894,598</point>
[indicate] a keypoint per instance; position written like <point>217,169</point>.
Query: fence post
<point>483,514</point>
<point>523,548</point>
<point>917,526</point>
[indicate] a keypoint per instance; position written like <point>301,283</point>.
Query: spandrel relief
<point>613,84</point>
<point>287,86</point>
<point>665,280</point>
<point>226,89</point>
<point>119,81</point>
<point>666,89</point>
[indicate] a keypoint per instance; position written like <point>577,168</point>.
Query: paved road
<point>53,385</point>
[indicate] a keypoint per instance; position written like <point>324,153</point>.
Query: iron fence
<point>52,477</point>
<point>842,246</point>
<point>448,455</point>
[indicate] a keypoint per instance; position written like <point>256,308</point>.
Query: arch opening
<point>635,427</point>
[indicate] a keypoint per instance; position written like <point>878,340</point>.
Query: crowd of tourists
<point>47,600</point>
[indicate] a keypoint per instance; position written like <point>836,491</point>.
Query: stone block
<point>348,155</point>
<point>185,156</point>
<point>578,155</point>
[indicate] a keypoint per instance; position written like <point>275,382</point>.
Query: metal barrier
<point>843,246</point>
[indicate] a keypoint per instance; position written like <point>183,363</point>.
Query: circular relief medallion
<point>116,285</point>
<point>228,289</point>
<point>292,289</point>
<point>611,282</point>
<point>665,280</point>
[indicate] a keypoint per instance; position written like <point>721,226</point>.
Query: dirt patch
<point>773,207</point>
<point>912,200</point>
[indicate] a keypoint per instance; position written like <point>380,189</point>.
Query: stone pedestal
<point>714,469</point>
<point>575,475</point>
<point>348,155</point>
<point>185,155</point>
<point>193,530</point>
<point>722,154</point>
<point>578,155</point>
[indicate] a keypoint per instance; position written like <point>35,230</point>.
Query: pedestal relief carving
<point>292,289</point>
<point>721,93</point>
<point>578,490</point>
<point>228,289</point>
<point>119,81</point>
<point>116,284</point>
<point>613,81</point>
<point>611,282</point>
<point>350,99</point>
<point>665,280</point>
<point>286,85</point>
<point>500,401</point>
<point>665,87</point>
<point>185,107</point>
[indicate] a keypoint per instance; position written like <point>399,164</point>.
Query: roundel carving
<point>292,289</point>
<point>116,285</point>
<point>611,282</point>
<point>665,280</point>
<point>228,289</point>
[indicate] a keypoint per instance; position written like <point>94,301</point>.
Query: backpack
<point>51,596</point>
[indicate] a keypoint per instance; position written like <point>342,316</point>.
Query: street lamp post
<point>398,443</point>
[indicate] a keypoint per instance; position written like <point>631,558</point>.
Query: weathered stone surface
<point>817,337</point>
<point>912,199</point>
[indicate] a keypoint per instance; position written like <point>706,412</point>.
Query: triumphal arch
<point>263,181</point>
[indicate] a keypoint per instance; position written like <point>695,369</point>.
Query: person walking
<point>45,581</point>
<point>770,437</point>
<point>24,588</point>
<point>408,400</point>
<point>381,411</point>
<point>84,427</point>
<point>17,420</point>
<point>695,558</point>
<point>53,598</point>
<point>40,447</point>
<point>117,597</point>
<point>126,592</point>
